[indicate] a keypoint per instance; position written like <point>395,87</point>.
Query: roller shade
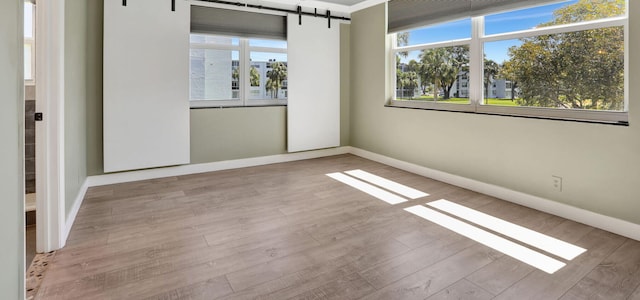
<point>408,14</point>
<point>237,23</point>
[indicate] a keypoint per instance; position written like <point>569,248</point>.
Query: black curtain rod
<point>299,12</point>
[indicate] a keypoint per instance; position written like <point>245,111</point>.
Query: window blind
<point>211,20</point>
<point>408,14</point>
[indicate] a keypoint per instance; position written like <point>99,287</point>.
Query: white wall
<point>600,164</point>
<point>11,152</point>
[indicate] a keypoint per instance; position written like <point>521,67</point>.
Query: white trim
<point>50,191</point>
<point>476,63</point>
<point>550,30</point>
<point>265,49</point>
<point>627,67</point>
<point>244,80</point>
<point>77,202</point>
<point>607,223</point>
<point>617,226</point>
<point>468,107</point>
<point>605,116</point>
<point>212,46</point>
<point>434,45</point>
<point>113,178</point>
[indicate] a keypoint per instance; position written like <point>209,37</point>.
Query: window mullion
<point>244,70</point>
<point>626,59</point>
<point>476,59</point>
<point>392,65</point>
<point>435,45</point>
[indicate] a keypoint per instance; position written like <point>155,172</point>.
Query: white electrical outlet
<point>557,183</point>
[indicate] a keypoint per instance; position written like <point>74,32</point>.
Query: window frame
<point>476,64</point>
<point>244,49</point>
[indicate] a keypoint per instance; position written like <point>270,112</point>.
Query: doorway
<point>30,130</point>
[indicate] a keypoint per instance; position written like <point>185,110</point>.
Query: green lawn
<point>490,101</point>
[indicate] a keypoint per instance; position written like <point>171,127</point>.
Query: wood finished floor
<point>287,231</point>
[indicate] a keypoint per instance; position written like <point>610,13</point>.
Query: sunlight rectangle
<point>393,186</point>
<point>488,239</point>
<point>367,188</point>
<point>525,235</point>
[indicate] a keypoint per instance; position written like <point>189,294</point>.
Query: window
<point>234,71</point>
<point>564,61</point>
<point>29,43</point>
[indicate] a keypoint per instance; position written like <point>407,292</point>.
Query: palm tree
<point>411,82</point>
<point>400,81</point>
<point>432,61</point>
<point>254,76</point>
<point>403,40</point>
<point>276,76</point>
<point>235,74</point>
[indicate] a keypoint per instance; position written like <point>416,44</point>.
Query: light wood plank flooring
<point>287,231</point>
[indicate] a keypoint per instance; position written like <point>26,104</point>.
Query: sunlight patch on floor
<point>517,232</point>
<point>368,188</point>
<point>517,251</point>
<point>393,186</point>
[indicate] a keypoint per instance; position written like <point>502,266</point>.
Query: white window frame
<point>476,95</point>
<point>244,56</point>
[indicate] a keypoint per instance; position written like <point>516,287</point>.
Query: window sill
<point>582,116</point>
<point>237,106</point>
<point>235,103</point>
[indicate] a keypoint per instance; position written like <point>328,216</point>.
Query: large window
<point>234,71</point>
<point>565,61</point>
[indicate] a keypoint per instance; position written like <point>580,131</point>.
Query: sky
<point>263,56</point>
<point>494,24</point>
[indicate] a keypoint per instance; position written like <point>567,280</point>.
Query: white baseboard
<point>105,179</point>
<point>74,211</point>
<point>113,178</point>
<point>590,218</point>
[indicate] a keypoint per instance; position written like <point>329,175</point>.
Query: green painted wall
<point>93,66</point>
<point>345,86</point>
<point>600,164</point>
<point>231,133</point>
<point>11,151</point>
<point>75,98</point>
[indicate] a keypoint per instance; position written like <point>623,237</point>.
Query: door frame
<point>50,186</point>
